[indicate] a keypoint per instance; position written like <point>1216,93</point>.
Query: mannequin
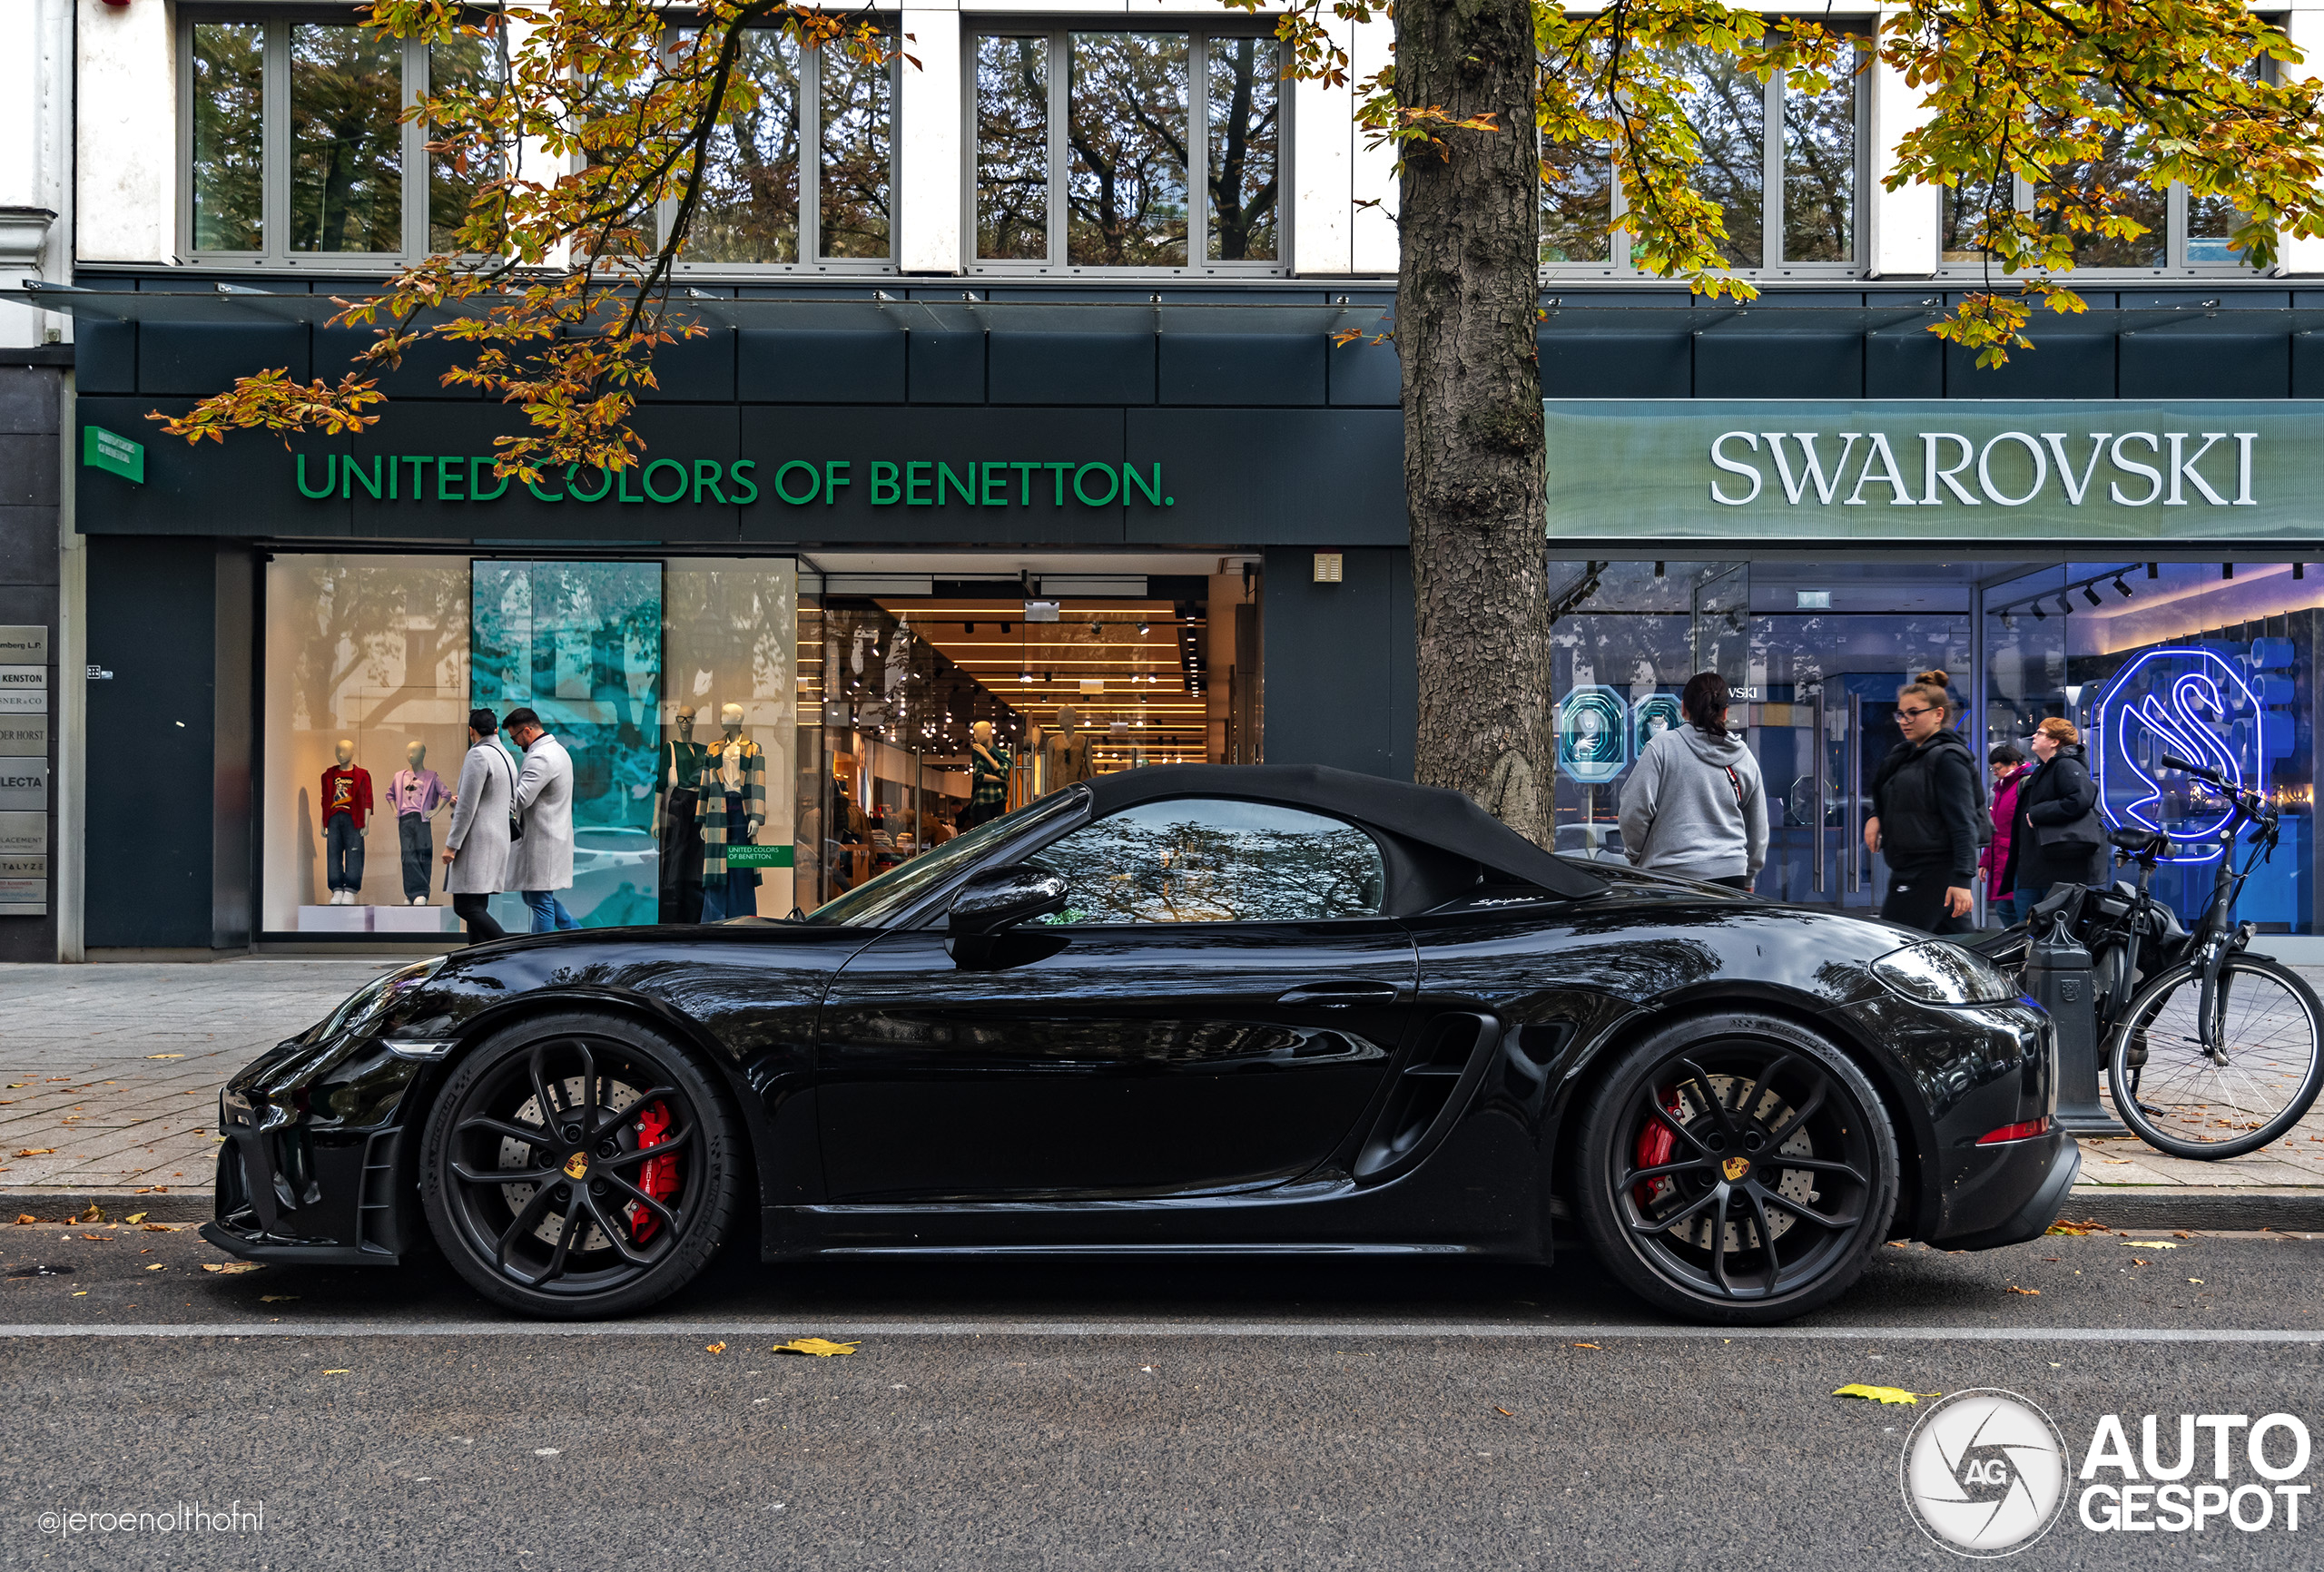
<point>347,807</point>
<point>735,772</point>
<point>1065,752</point>
<point>414,794</point>
<point>988,765</point>
<point>678,820</point>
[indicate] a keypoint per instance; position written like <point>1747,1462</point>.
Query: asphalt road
<point>1271,1414</point>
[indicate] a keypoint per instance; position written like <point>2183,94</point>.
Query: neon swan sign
<point>2187,701</point>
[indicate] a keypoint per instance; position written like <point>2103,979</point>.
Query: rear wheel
<point>1738,1170</point>
<point>2251,1084</point>
<point>579,1165</point>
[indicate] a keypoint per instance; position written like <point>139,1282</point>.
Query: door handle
<point>1339,995</point>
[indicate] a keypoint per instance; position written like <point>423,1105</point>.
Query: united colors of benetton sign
<point>1936,469</point>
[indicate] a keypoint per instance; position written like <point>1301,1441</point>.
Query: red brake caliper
<point>659,1177</point>
<point>1655,1144</point>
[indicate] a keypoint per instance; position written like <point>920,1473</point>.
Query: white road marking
<point>1023,1326</point>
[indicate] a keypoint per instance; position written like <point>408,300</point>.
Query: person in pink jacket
<point>1995,865</point>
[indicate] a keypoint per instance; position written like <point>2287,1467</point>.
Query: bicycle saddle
<point>2140,843</point>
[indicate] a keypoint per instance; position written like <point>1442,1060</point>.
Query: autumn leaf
<point>339,1372</point>
<point>2150,1244</point>
<point>1875,1394</point>
<point>155,1267</point>
<point>35,1151</point>
<point>2034,1292</point>
<point>156,1227</point>
<point>25,1217</point>
<point>1584,1345</point>
<point>165,1055</point>
<point>230,1266</point>
<point>134,1217</point>
<point>713,1348</point>
<point>275,1298</point>
<point>2091,1225</point>
<point>822,1348</point>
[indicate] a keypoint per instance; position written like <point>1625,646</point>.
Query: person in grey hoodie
<point>1694,804</point>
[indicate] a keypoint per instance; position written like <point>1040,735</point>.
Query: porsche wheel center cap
<point>576,1166</point>
<point>1734,1168</point>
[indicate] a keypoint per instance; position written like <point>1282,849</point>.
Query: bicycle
<point>2213,1052</point>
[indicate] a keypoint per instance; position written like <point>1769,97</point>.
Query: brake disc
<point>614,1097</point>
<point>1795,1184</point>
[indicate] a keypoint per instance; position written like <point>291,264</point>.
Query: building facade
<point>1017,407</point>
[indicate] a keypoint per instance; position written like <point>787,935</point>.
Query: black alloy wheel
<point>579,1165</point>
<point>1738,1169</point>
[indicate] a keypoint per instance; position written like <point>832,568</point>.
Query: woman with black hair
<point>1694,804</point>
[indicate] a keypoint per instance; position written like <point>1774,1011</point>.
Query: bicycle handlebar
<point>2173,762</point>
<point>2248,803</point>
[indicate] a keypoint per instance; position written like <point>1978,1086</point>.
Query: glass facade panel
<point>1243,84</point>
<point>1012,148</point>
<point>346,146</point>
<point>1577,203</point>
<point>229,154</point>
<point>1729,108</point>
<point>1819,160</point>
<point>1125,134</point>
<point>463,64</point>
<point>728,730</point>
<point>855,129</point>
<point>749,207</point>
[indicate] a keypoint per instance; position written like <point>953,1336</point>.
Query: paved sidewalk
<point>109,1078</point>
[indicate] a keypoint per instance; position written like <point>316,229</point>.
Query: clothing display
<point>730,891</point>
<point>1064,759</point>
<point>677,782</point>
<point>988,784</point>
<point>347,789</point>
<point>415,840</point>
<point>743,762</point>
<point>342,853</point>
<point>412,791</point>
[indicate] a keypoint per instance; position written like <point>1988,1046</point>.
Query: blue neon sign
<point>2186,700</point>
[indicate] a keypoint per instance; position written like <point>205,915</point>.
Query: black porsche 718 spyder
<point>1192,1008</point>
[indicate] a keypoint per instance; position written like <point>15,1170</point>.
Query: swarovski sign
<point>1933,469</point>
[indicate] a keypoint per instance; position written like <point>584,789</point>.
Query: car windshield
<point>870,904</point>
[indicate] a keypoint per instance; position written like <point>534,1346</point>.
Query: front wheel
<point>1738,1170</point>
<point>2246,1087</point>
<point>579,1165</point>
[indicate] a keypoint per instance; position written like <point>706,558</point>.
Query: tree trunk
<point>1466,296</point>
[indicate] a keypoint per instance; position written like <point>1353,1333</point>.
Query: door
<point>1214,1011</point>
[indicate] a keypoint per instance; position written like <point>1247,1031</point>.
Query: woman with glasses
<point>1924,808</point>
<point>2058,832</point>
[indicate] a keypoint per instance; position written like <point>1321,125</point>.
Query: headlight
<point>1937,972</point>
<point>370,1001</point>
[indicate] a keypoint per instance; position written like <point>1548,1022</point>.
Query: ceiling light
<point>1142,630</point>
<point>2121,588</point>
<point>2039,615</point>
<point>2009,622</point>
<point>2227,570</point>
<point>2151,571</point>
<point>2090,594</point>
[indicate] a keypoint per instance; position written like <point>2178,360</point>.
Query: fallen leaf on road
<point>230,1266</point>
<point>2150,1244</point>
<point>158,1227</point>
<point>339,1372</point>
<point>165,1055</point>
<point>2034,1292</point>
<point>25,1217</point>
<point>98,1238</point>
<point>95,1213</point>
<point>275,1298</point>
<point>1875,1394</point>
<point>822,1348</point>
<point>35,1151</point>
<point>155,1267</point>
<point>1502,1411</point>
<point>2138,1261</point>
<point>713,1348</point>
<point>2088,1226</point>
<point>134,1217</point>
<point>2196,1281</point>
<point>2182,1233</point>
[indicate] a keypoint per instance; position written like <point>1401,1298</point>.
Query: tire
<point>1662,1133</point>
<point>641,1137</point>
<point>2179,1100</point>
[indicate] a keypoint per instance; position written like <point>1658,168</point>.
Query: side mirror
<point>997,897</point>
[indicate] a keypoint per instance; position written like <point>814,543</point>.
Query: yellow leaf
<point>165,1055</point>
<point>2034,1292</point>
<point>822,1348</point>
<point>134,1217</point>
<point>339,1372</point>
<point>713,1348</point>
<point>155,1267</point>
<point>2196,1281</point>
<point>1875,1394</point>
<point>230,1266</point>
<point>35,1151</point>
<point>2150,1244</point>
<point>275,1298</point>
<point>25,1217</point>
<point>1585,1345</point>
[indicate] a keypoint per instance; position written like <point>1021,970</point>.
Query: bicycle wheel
<point>2259,1077</point>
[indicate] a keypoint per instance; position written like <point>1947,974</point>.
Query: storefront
<point>2136,567</point>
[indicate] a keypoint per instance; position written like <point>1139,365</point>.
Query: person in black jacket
<point>1924,808</point>
<point>2059,833</point>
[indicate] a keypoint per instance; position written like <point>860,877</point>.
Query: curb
<point>194,1205</point>
<point>2224,1207</point>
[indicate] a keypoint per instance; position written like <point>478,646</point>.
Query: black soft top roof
<point>1450,820</point>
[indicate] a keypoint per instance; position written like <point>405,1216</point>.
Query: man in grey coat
<point>540,862</point>
<point>475,848</point>
<point>1694,804</point>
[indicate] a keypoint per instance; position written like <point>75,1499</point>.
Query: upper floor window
<point>1126,150</point>
<point>1783,159</point>
<point>806,175</point>
<point>292,149</point>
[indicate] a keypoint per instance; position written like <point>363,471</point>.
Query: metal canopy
<point>881,312</point>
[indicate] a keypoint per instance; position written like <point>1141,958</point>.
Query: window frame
<point>2174,263</point>
<point>810,261</point>
<point>1200,32</point>
<point>275,150</point>
<point>1771,264</point>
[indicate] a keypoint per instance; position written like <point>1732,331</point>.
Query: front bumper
<point>292,1196</point>
<point>2053,1164</point>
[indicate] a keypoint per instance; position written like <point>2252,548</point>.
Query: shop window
<point>1208,859</point>
<point>293,153</point>
<point>1128,149</point>
<point>806,175</point>
<point>1783,159</point>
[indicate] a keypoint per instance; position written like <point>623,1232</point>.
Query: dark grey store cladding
<point>31,388</point>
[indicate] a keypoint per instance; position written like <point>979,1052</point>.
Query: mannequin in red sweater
<point>347,809</point>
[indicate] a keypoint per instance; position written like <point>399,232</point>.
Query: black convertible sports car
<point>1191,1008</point>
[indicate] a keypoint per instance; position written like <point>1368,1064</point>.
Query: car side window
<point>1217,859</point>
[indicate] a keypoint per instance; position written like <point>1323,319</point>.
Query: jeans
<point>473,909</point>
<point>548,912</point>
<point>417,841</point>
<point>342,853</point>
<point>2008,910</point>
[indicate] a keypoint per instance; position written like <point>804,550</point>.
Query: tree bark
<point>1466,297</point>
